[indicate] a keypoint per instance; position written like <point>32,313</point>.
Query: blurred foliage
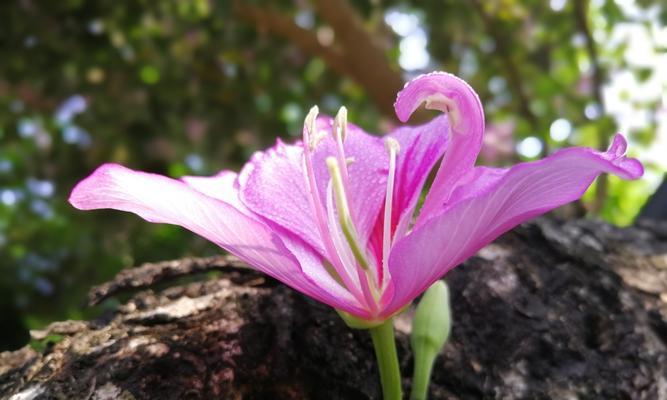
<point>188,87</point>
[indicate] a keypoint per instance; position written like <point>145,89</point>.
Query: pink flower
<point>335,216</point>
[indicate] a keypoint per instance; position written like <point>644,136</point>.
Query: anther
<point>339,133</point>
<point>309,124</point>
<point>392,144</point>
<point>340,124</point>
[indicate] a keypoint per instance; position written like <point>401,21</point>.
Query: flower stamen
<point>393,148</point>
<point>344,216</point>
<point>353,250</point>
<point>309,130</point>
<point>339,133</point>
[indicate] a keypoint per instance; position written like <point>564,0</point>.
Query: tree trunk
<point>551,310</point>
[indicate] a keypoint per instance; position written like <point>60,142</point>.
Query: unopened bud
<point>430,330</point>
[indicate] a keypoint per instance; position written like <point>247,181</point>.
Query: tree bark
<point>552,309</point>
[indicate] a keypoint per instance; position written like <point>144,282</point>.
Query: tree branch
<point>367,62</point>
<point>283,26</point>
<point>356,55</point>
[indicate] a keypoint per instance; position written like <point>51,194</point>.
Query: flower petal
<point>222,186</point>
<point>420,149</point>
<point>272,184</point>
<point>452,95</point>
<point>493,203</point>
<point>368,168</point>
<point>163,200</point>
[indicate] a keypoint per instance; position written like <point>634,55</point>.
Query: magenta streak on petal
<point>163,200</point>
<point>450,94</point>
<point>498,203</point>
<point>421,148</point>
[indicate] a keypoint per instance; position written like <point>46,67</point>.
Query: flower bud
<point>430,329</point>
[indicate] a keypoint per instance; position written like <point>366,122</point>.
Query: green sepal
<point>360,323</point>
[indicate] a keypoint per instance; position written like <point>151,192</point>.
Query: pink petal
<point>272,184</point>
<point>367,173</point>
<point>163,200</point>
<point>327,290</point>
<point>421,148</point>
<point>493,203</point>
<point>222,186</point>
<point>450,94</point>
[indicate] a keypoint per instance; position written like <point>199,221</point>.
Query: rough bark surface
<point>553,309</point>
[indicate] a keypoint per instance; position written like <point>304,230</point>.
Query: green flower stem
<point>422,376</point>
<point>385,352</point>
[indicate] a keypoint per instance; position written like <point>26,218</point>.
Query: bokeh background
<point>193,86</point>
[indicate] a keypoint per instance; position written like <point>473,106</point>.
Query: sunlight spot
<point>530,147</point>
<point>402,23</point>
<point>557,5</point>
<point>560,129</point>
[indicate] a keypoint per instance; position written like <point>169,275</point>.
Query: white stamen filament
<point>368,287</point>
<point>318,209</point>
<point>344,216</point>
<point>339,241</point>
<point>393,148</point>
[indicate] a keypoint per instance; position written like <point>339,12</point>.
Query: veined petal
<point>222,186</point>
<point>452,95</point>
<point>367,169</point>
<point>493,203</point>
<point>163,200</point>
<point>272,184</point>
<point>327,290</point>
